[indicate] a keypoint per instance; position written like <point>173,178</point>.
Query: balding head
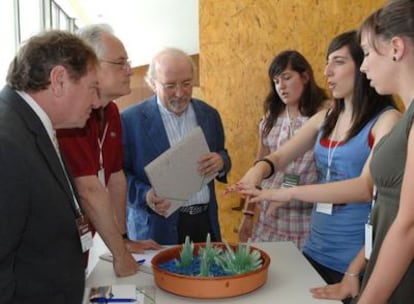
<point>163,58</point>
<point>170,75</point>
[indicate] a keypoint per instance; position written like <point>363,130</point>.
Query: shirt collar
<point>47,123</point>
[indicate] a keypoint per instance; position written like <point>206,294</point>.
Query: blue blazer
<point>145,139</point>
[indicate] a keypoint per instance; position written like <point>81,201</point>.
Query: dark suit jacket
<point>41,259</point>
<point>145,139</point>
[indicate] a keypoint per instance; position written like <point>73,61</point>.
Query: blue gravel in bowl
<point>193,269</point>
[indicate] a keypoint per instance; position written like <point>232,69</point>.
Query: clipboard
<point>174,174</point>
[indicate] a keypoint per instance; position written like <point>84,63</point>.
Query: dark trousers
<point>329,275</point>
<point>196,226</point>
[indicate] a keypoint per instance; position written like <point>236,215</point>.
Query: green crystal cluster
<point>242,260</point>
<point>186,254</point>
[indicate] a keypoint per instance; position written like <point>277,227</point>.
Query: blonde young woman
<point>293,97</point>
<point>343,139</point>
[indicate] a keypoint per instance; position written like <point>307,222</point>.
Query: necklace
<point>291,123</point>
<point>331,151</point>
<point>291,133</point>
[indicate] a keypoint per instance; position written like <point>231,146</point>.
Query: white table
<point>289,278</point>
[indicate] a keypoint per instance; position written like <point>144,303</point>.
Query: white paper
<point>113,293</point>
<point>324,208</point>
<point>174,174</point>
<point>368,241</point>
<point>124,291</point>
<point>147,256</point>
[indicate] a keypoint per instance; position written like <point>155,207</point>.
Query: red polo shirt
<point>80,147</point>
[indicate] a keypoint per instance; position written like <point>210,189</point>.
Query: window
<point>30,23</point>
<point>8,38</point>
<point>24,18</point>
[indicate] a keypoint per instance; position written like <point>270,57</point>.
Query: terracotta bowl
<point>207,287</point>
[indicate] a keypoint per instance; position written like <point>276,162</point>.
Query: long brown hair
<point>312,98</point>
<point>366,102</point>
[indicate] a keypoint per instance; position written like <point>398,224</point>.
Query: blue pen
<point>105,300</point>
<point>141,261</point>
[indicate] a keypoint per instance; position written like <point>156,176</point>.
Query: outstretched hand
<point>141,246</point>
<point>252,177</point>
<point>348,287</point>
<point>256,194</point>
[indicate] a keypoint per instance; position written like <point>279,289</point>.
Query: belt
<point>194,209</point>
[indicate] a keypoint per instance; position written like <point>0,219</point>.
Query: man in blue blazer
<point>152,127</point>
<point>51,84</point>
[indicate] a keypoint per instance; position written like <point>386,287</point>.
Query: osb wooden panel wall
<point>238,40</point>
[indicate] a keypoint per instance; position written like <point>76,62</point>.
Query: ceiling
<point>144,26</point>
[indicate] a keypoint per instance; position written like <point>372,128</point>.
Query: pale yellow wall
<point>238,39</point>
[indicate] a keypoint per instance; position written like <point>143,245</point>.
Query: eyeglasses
<point>173,87</point>
<point>123,64</point>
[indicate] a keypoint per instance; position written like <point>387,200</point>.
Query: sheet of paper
<point>124,291</point>
<point>113,292</point>
<point>147,256</point>
<point>141,294</point>
<point>174,173</point>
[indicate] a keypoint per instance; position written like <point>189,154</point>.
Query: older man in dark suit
<point>51,84</point>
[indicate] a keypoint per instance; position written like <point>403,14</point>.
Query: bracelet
<point>271,165</point>
<point>125,236</point>
<point>350,274</point>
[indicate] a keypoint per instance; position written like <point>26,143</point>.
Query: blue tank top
<point>335,239</point>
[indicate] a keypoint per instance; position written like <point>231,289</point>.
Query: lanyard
<point>78,211</point>
<point>331,151</point>
<point>374,199</point>
<point>100,144</point>
<point>291,124</point>
<point>291,133</point>
<point>374,196</point>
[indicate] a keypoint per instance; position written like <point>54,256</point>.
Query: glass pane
<point>8,32</point>
<point>64,21</point>
<point>30,18</point>
<point>55,16</point>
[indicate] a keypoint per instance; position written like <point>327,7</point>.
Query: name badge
<point>290,180</point>
<point>368,240</point>
<point>85,233</point>
<point>324,208</point>
<point>101,176</point>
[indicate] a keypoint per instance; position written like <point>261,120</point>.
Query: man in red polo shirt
<point>94,153</point>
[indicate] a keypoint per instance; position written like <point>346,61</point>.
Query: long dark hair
<point>312,98</point>
<point>366,103</point>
